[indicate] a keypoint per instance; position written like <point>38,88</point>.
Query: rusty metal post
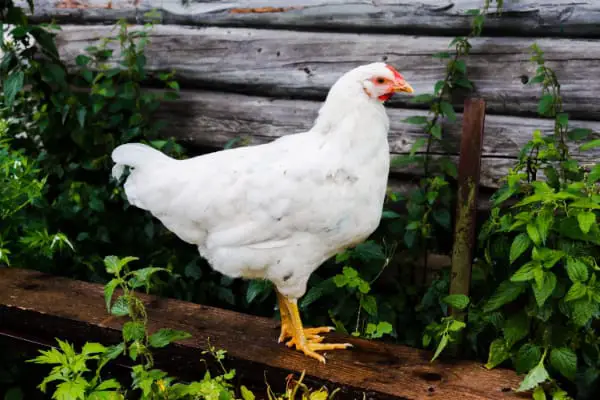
<point>469,166</point>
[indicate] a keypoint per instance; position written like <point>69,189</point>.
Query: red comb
<point>396,73</point>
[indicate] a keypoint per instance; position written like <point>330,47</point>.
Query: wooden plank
<point>212,119</point>
<point>468,187</point>
<point>306,64</point>
<point>37,305</point>
<point>440,17</point>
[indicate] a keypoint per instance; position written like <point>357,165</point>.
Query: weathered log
<point>213,119</point>
<point>439,17</point>
<point>39,306</point>
<point>306,64</point>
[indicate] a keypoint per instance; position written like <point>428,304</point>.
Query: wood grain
<point>212,119</point>
<point>440,17</point>
<point>37,305</point>
<point>306,64</point>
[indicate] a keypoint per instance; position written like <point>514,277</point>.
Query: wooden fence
<point>259,69</point>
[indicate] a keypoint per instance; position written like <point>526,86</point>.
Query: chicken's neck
<point>352,123</point>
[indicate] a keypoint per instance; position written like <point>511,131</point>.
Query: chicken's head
<point>380,81</point>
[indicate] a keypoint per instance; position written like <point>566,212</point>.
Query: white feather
<point>278,210</point>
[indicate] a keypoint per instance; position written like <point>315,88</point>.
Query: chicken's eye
<point>381,80</point>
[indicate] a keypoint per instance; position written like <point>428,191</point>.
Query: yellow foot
<point>310,347</point>
<point>287,331</point>
<point>306,340</point>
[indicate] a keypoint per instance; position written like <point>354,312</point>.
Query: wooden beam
<point>306,64</point>
<point>468,187</point>
<point>40,306</point>
<point>212,119</point>
<point>440,17</point>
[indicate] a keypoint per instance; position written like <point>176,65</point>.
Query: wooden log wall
<point>260,68</point>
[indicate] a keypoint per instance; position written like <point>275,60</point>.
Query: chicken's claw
<point>306,340</point>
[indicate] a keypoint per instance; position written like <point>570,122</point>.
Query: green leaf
<point>440,347</point>
<point>562,119</point>
<point>317,291</point>
<point>548,285</point>
<point>114,265</point>
<point>448,110</point>
<point>527,357</point>
<point>133,331</point>
<point>388,214</point>
<point>71,390</point>
<point>82,60</point>
<point>592,144</point>
<point>565,361</point>
<point>577,270</point>
<point>585,203</point>
<point>246,394</point>
<point>257,287</point>
<point>536,376</point>
<point>436,131</point>
<point>544,221</point>
<point>457,301</point>
<point>369,251</point>
<point>422,98</point>
<point>577,291</point>
<point>507,292</point>
<point>534,234</point>
<point>439,86</point>
<point>93,348</point>
<point>586,219</point>
<point>369,304</point>
<point>539,393</point>
<point>109,289</point>
<point>460,66</point>
<point>12,86</point>
<point>165,336</point>
<point>498,353</point>
<point>594,175</point>
<point>109,384</point>
<point>121,307</point>
<point>526,272</point>
<point>142,276</point>
<point>521,243</point>
<point>582,311</point>
<point>516,328</point>
<point>416,120</point>
<point>545,105</point>
<point>579,134</point>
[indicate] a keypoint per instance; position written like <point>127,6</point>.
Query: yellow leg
<point>306,340</point>
<point>287,328</point>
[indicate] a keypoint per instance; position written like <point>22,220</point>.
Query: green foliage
<point>65,120</point>
<point>541,251</point>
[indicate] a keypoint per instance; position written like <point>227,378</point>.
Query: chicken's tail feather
<point>137,156</point>
<point>134,155</point>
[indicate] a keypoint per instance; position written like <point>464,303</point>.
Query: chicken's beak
<point>402,86</point>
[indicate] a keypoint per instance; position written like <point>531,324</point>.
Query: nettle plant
<point>543,251</point>
<point>21,189</point>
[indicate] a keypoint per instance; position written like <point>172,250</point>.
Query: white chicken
<point>277,211</point>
